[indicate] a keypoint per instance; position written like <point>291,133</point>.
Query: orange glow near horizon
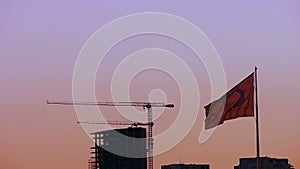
<point>40,43</point>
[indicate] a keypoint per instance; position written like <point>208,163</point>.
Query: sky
<point>41,40</point>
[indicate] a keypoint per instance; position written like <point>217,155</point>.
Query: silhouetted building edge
<point>185,166</point>
<point>265,163</point>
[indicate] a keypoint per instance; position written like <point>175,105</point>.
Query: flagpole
<point>257,125</point>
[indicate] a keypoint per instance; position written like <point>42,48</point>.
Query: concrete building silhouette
<point>185,166</point>
<point>118,149</point>
<point>266,163</point>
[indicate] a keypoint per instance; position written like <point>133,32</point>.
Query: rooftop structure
<point>185,166</point>
<point>266,163</point>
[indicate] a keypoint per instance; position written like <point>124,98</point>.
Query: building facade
<point>265,163</point>
<point>185,166</point>
<point>120,149</point>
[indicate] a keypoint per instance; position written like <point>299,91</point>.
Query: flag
<point>237,102</point>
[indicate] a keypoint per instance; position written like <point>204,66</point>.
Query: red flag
<point>237,102</point>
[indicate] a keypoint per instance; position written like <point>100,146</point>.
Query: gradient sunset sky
<point>40,42</point>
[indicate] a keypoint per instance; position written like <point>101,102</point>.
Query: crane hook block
<point>170,105</point>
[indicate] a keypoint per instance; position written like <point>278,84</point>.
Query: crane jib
<point>136,104</point>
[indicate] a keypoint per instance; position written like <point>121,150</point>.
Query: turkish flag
<point>237,102</point>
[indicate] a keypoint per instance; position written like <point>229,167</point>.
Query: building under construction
<point>119,149</point>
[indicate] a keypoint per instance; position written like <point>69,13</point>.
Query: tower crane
<point>144,105</point>
<point>125,123</point>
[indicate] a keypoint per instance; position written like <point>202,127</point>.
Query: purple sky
<point>40,42</point>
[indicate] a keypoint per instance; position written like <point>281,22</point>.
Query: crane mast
<point>145,105</point>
